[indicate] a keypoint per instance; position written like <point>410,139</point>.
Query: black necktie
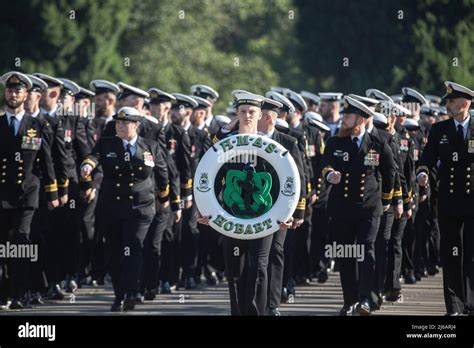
<point>129,149</point>
<point>461,133</point>
<point>12,125</point>
<point>355,142</point>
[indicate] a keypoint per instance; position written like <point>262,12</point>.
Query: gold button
<point>363,175</point>
<point>4,160</point>
<point>19,182</point>
<point>4,174</point>
<point>118,185</point>
<point>131,184</point>
<point>20,168</point>
<point>3,167</point>
<point>116,167</point>
<point>345,195</point>
<point>317,193</point>
<point>468,191</point>
<point>131,197</point>
<point>452,169</point>
<point>468,176</point>
<point>468,169</point>
<point>347,181</point>
<point>20,161</point>
<point>346,189</point>
<point>319,185</point>
<point>132,174</point>
<point>319,179</point>
<point>20,174</point>
<point>451,191</point>
<point>451,176</point>
<point>140,168</point>
<point>120,174</point>
<point>362,188</point>
<point>451,183</point>
<point>361,195</point>
<point>468,183</point>
<point>362,181</point>
<point>347,174</point>
<point>3,180</point>
<point>118,198</point>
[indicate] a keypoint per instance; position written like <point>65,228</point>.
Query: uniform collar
<point>19,116</point>
<point>268,135</point>
<point>463,123</point>
<point>51,113</point>
<point>187,126</point>
<point>35,114</point>
<point>132,142</point>
<point>360,137</point>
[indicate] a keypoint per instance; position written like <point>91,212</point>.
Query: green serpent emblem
<point>247,193</point>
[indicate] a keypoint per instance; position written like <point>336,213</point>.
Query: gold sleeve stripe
<point>326,170</point>
<point>177,200</point>
<point>215,140</point>
<point>397,193</point>
<point>90,162</point>
<point>422,169</point>
<point>52,188</point>
<point>86,179</point>
<point>164,193</point>
<point>301,204</point>
<point>309,187</point>
<point>188,184</point>
<point>66,184</point>
<point>387,196</point>
<point>407,200</point>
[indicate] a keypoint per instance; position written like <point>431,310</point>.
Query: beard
<point>348,131</point>
<point>14,104</point>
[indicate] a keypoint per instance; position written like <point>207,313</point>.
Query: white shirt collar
<point>132,142</point>
<point>50,113</point>
<point>369,130</point>
<point>463,123</point>
<point>165,123</point>
<point>35,114</point>
<point>268,135</point>
<point>107,119</point>
<point>19,116</point>
<point>201,126</point>
<point>360,137</point>
<point>187,126</point>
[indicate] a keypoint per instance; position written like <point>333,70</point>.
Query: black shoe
<point>117,306</point>
<point>166,288</point>
<point>410,279</point>
<point>129,303</point>
<point>36,299</point>
<point>393,296</point>
<point>212,279</point>
<point>418,277</point>
<point>139,298</point>
<point>376,304</point>
<point>190,284</point>
<point>16,304</point>
<point>346,310</point>
<point>56,293</point>
<point>71,286</point>
<point>433,270</point>
<point>101,280</point>
<point>274,312</point>
<point>322,277</point>
<point>284,295</point>
<point>363,308</point>
<point>453,314</point>
<point>197,279</point>
<point>150,295</point>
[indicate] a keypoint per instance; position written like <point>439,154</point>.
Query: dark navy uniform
<point>455,153</point>
<point>127,201</point>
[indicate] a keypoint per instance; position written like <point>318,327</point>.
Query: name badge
<point>311,150</point>
<point>372,158</point>
<point>111,155</point>
<point>444,139</point>
<point>148,159</point>
<point>470,146</point>
<point>30,143</point>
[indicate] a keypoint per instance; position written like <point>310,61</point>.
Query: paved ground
<point>423,298</point>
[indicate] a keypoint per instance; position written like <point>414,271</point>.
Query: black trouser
<point>169,270</point>
<point>356,276</point>
<point>211,256</point>
<point>289,257</point>
<point>247,273</point>
<point>189,245</point>
<point>64,237</point>
<point>275,269</point>
<point>302,260</point>
<point>15,227</point>
<point>421,241</point>
<point>457,260</point>
<point>39,233</point>
<point>88,239</point>
<point>394,257</point>
<point>433,241</point>
<point>381,253</point>
<point>319,239</point>
<point>152,252</point>
<point>127,238</point>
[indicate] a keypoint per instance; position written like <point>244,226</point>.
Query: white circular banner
<point>246,192</point>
